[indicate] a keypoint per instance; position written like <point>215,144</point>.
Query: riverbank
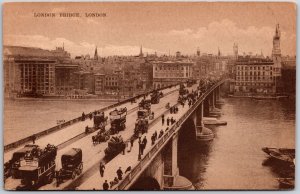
<point>259,97</point>
<point>66,99</point>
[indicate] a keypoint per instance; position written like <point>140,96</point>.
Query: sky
<point>158,27</point>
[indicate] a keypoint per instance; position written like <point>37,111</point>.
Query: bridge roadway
<point>71,131</point>
<point>89,150</point>
<point>95,182</point>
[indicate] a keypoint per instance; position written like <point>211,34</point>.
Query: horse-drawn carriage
<point>100,137</point>
<point>141,127</point>
<point>115,146</point>
<point>100,121</point>
<point>118,120</point>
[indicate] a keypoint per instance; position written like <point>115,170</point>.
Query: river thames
<point>234,159</point>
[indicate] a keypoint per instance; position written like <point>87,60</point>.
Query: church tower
<point>96,55</point>
<point>198,52</point>
<point>235,50</point>
<point>141,52</point>
<point>276,52</point>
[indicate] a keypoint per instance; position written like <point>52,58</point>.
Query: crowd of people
<point>190,98</point>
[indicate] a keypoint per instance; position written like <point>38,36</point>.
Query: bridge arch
<point>146,183</point>
<point>186,147</point>
<point>187,133</point>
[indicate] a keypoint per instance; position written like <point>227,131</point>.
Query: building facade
<point>254,75</point>
<point>171,72</point>
<point>99,83</point>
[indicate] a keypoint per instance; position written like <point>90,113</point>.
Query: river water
<point>234,159</point>
<point>26,117</point>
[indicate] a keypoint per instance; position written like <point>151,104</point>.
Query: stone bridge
<point>158,169</point>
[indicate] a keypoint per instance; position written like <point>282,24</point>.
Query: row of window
<point>253,84</point>
<point>169,68</point>
<point>253,78</point>
<point>254,68</point>
<point>254,73</point>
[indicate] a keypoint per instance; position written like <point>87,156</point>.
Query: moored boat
<point>281,154</point>
<point>213,121</point>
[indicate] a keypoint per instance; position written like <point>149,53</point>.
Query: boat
<point>213,121</point>
<point>268,97</point>
<point>281,154</point>
<point>286,182</point>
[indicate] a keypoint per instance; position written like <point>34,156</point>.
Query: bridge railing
<point>146,160</point>
<point>75,120</point>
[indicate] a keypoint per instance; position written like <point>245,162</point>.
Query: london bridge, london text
<point>44,15</point>
<point>149,95</point>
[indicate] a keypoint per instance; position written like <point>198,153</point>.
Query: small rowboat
<point>281,154</point>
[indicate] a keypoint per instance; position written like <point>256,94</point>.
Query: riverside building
<point>254,75</point>
<point>171,72</point>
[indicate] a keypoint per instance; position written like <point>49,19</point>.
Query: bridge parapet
<point>139,168</point>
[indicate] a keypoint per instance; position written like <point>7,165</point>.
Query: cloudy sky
<point>160,27</point>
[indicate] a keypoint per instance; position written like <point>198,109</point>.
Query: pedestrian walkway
<point>130,159</point>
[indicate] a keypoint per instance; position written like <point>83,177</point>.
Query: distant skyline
<point>158,27</point>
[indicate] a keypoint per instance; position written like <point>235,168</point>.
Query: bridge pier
<point>213,101</point>
<point>172,179</point>
<point>202,133</point>
<point>206,107</point>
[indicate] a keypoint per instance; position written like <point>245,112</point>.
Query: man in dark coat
<point>33,137</point>
<point>105,185</point>
<point>168,121</point>
<point>140,145</point>
<point>119,173</point>
<point>153,139</point>
<point>145,141</point>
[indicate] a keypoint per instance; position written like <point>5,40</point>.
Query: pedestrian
<point>171,110</point>
<point>57,176</point>
<point>142,148</point>
<point>33,137</point>
<point>161,133</point>
<point>116,180</point>
<point>140,145</point>
<point>168,121</point>
<point>131,144</point>
<point>105,185</point>
<point>101,169</point>
<point>153,139</point>
<point>155,134</point>
<point>124,147</point>
<point>83,117</point>
<point>128,169</point>
<point>145,141</point>
<point>120,173</point>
